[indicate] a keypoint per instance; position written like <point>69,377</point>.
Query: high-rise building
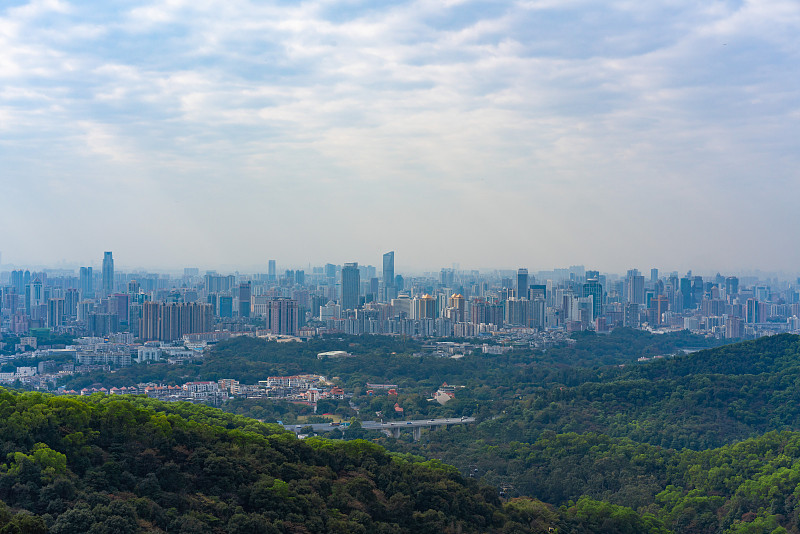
<point>118,304</point>
<point>733,328</point>
<point>282,316</point>
<point>351,286</point>
<point>517,311</point>
<point>374,287</point>
<point>102,324</point>
<point>658,305</point>
<point>732,286</point>
<point>635,287</point>
<point>108,273</point>
<point>148,330</point>
<point>86,282</point>
<point>171,321</point>
<point>271,270</point>
<point>698,289</point>
<point>459,304</point>
<point>244,299</point>
<point>388,268</point>
<point>522,283</point>
<point>225,306</point>
<point>389,288</point>
<point>632,318</point>
<point>427,307</point>
<point>71,299</point>
<point>483,312</point>
<point>133,287</point>
<point>55,312</point>
<point>654,275</point>
<point>537,291</point>
<point>18,281</point>
<point>85,307</point>
<point>751,311</point>
<point>34,295</point>
<point>593,288</point>
<point>686,292</point>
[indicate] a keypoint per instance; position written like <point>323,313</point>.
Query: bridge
<point>391,429</point>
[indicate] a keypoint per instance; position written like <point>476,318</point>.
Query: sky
<point>537,133</point>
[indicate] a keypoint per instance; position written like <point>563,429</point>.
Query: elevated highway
<point>390,428</point>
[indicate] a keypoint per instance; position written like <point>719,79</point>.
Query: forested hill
<point>699,400</point>
<point>770,354</point>
<point>747,487</point>
<point>123,465</point>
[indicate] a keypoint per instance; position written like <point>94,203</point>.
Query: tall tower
<point>351,286</point>
<point>244,299</point>
<point>522,283</point>
<point>108,273</point>
<point>388,276</point>
<point>593,288</point>
<point>86,283</point>
<point>635,287</point>
<point>271,271</point>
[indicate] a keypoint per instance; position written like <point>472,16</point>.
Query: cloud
<point>603,114</point>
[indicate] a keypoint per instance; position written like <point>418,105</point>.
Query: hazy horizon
<point>399,268</point>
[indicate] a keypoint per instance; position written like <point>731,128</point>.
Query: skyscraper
<point>55,312</point>
<point>635,287</point>
<point>731,285</point>
<point>244,299</point>
<point>86,283</point>
<point>351,285</point>
<point>108,273</point>
<point>593,288</point>
<point>18,281</point>
<point>522,283</point>
<point>388,277</point>
<point>330,272</point>
<point>271,271</point>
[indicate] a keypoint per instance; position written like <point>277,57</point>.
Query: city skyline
<point>95,266</point>
<point>520,134</point>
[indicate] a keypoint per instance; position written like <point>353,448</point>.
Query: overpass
<point>391,429</point>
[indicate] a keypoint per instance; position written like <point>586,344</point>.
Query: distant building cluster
<point>358,299</point>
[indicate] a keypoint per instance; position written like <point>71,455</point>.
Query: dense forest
<point>122,465</point>
<point>663,437</point>
<point>699,442</point>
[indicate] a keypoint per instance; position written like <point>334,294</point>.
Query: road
<point>388,426</point>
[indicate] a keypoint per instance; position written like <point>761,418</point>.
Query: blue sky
<point>536,133</point>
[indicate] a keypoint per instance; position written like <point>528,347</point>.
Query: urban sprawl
<point>119,319</point>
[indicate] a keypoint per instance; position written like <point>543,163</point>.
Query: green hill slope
<point>117,465</point>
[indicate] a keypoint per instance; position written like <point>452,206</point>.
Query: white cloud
<point>527,112</point>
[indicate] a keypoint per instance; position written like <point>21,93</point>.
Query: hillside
<point>120,465</point>
<point>743,487</point>
<point>700,400</point>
